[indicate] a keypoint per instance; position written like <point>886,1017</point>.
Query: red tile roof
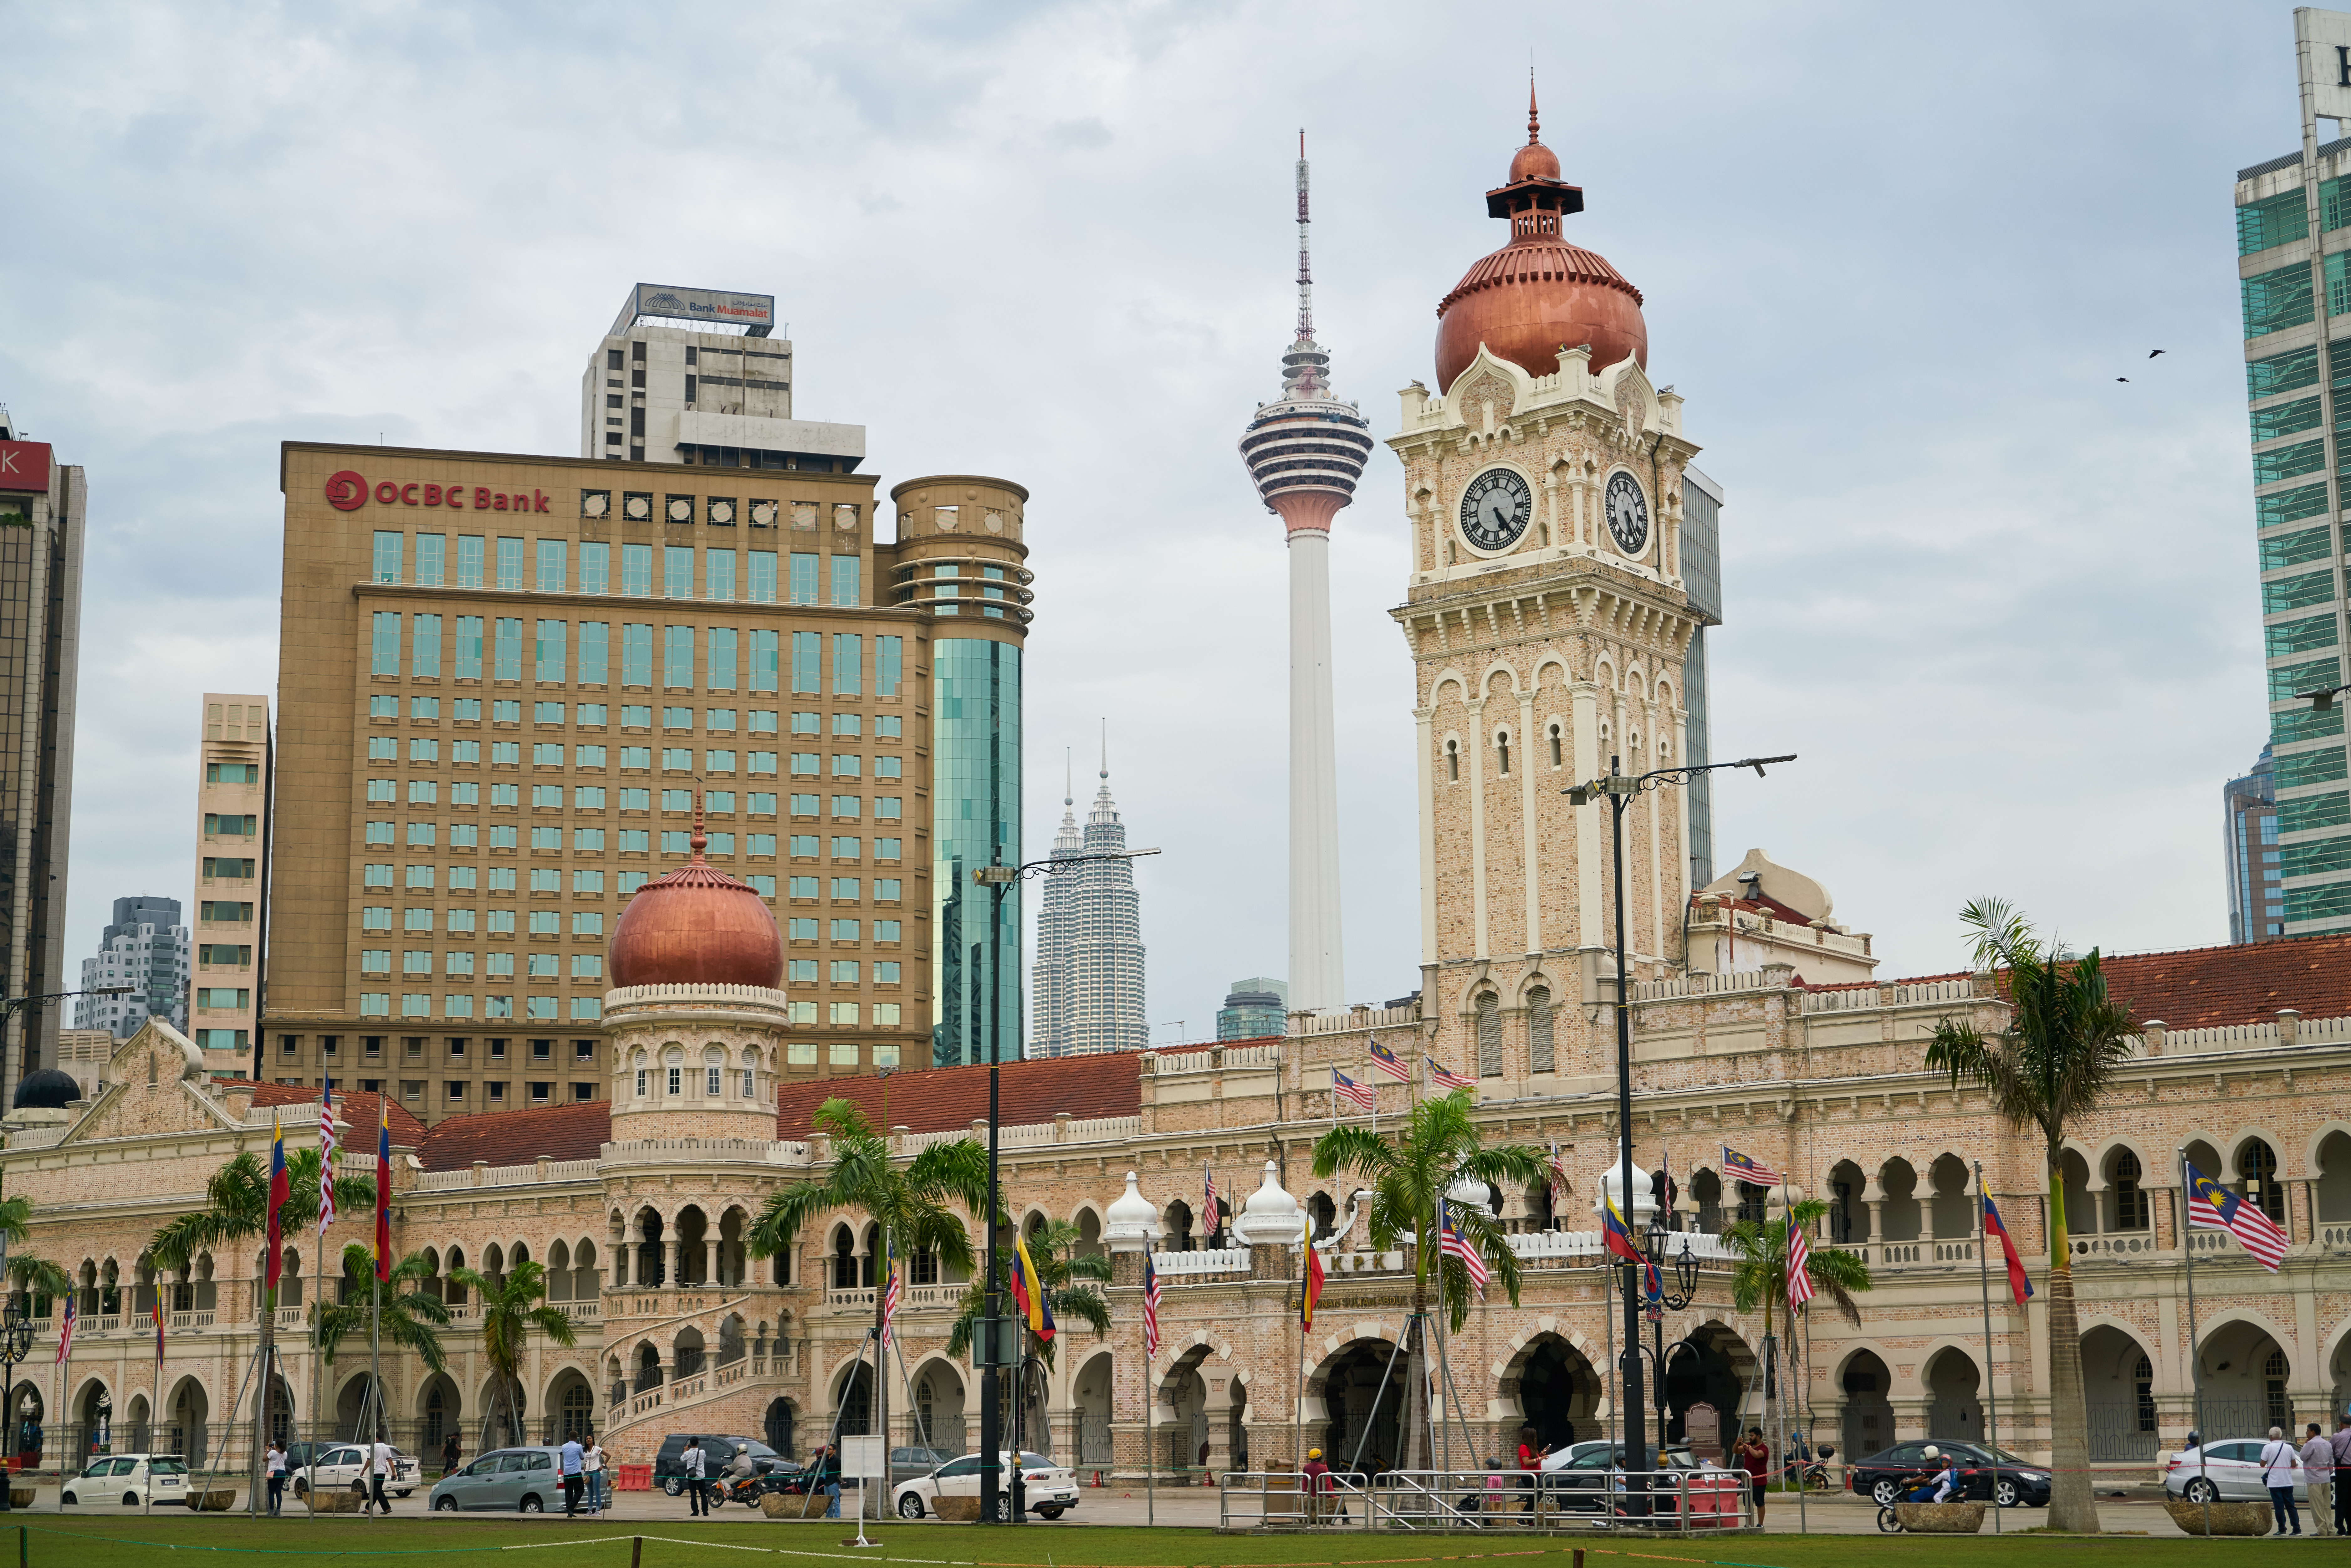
<point>357,1108</point>
<point>2206,988</point>
<point>577,1131</point>
<point>936,1099</point>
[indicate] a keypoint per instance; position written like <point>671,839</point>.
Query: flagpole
<point>1298,1411</point>
<point>1787,1196</point>
<point>2195,1363</point>
<point>1991,1396</point>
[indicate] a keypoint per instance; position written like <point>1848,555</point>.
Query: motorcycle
<point>745,1490</point>
<point>1816,1471</point>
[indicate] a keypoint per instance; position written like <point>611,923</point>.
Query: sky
<point>2003,605</point>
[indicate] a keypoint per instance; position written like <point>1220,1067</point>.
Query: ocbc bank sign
<point>348,491</point>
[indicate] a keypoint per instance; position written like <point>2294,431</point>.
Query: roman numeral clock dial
<point>1629,513</point>
<point>1495,509</point>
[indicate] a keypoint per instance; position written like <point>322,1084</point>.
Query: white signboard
<point>865,1459</point>
<point>2322,41</point>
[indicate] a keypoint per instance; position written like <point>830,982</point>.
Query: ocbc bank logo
<point>347,491</point>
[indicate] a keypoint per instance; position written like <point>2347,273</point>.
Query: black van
<point>717,1453</point>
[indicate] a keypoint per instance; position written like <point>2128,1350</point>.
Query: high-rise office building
<point>2250,850</point>
<point>44,512</point>
<point>697,376</point>
<point>504,678</point>
<point>1088,983</point>
<point>232,874</point>
<point>1254,1008</point>
<point>143,953</point>
<point>2293,244</point>
<point>1701,542</point>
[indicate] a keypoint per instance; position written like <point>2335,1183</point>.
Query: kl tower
<point>1305,451</point>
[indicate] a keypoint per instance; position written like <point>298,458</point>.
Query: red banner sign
<point>25,465</point>
<point>347,490</point>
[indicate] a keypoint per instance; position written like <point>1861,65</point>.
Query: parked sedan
<point>2223,1472</point>
<point>344,1466</point>
<point>1047,1488</point>
<point>123,1479</point>
<point>1586,1482</point>
<point>528,1480</point>
<point>1985,1472</point>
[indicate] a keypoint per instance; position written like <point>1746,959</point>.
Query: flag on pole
<point>1616,1233</point>
<point>1310,1282</point>
<point>2212,1207</point>
<point>155,1311</point>
<point>1215,1217</point>
<point>1451,1243</point>
<point>1740,1167</point>
<point>1800,1260</point>
<point>64,1331</point>
<point>1653,1283</point>
<point>325,1154</point>
<point>383,1187</point>
<point>1446,1076</point>
<point>1150,1308</point>
<point>1029,1292</point>
<point>1385,1061</point>
<point>1560,1186</point>
<point>2018,1285</point>
<point>275,1264</point>
<point>892,1293</point>
<point>1362,1096</point>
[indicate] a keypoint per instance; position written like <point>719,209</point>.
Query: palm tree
<point>1760,1277</point>
<point>1438,1147</point>
<point>513,1304</point>
<point>910,1205</point>
<point>409,1317</point>
<point>236,1209</point>
<point>2056,1059</point>
<point>1070,1278</point>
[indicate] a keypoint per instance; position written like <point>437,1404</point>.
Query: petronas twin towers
<point>1087,984</point>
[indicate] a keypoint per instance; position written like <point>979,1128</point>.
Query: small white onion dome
<point>1467,1192</point>
<point>1132,1224</point>
<point>1643,1206</point>
<point>1271,1216</point>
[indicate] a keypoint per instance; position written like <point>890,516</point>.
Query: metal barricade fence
<point>1674,1501</point>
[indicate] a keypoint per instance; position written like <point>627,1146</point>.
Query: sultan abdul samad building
<point>1548,624</point>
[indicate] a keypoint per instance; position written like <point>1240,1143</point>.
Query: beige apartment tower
<point>232,874</point>
<point>502,680</point>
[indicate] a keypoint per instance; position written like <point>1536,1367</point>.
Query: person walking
<point>274,1467</point>
<point>450,1452</point>
<point>2279,1458</point>
<point>1317,1476</point>
<point>379,1472</point>
<point>2342,1463</point>
<point>696,1492</point>
<point>1530,1460</point>
<point>1754,1456</point>
<point>828,1480</point>
<point>2318,1479</point>
<point>591,1465</point>
<point>570,1458</point>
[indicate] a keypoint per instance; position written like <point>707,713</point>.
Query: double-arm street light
<point>1618,789</point>
<point>1684,1291</point>
<point>999,1344</point>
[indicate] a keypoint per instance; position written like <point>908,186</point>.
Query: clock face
<point>1629,513</point>
<point>1495,509</point>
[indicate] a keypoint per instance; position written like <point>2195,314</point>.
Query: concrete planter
<point>957,1509</point>
<point>219,1500</point>
<point>2228,1517</point>
<point>1940,1518</point>
<point>335,1499</point>
<point>20,1497</point>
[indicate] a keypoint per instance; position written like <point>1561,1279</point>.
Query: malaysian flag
<point>1800,1263</point>
<point>2212,1207</point>
<point>1385,1061</point>
<point>325,1154</point>
<point>65,1332</point>
<point>1452,1244</point>
<point>1362,1095</point>
<point>1739,1167</point>
<point>1446,1076</point>
<point>1150,1308</point>
<point>1560,1186</point>
<point>892,1293</point>
<point>1215,1220</point>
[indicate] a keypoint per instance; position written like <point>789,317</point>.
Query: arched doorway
<point>440,1415</point>
<point>1556,1388</point>
<point>2118,1392</point>
<point>939,1399</point>
<point>2245,1379</point>
<point>93,1420</point>
<point>776,1427</point>
<point>572,1402</point>
<point>1184,1393</point>
<point>854,1400</point>
<point>1710,1366</point>
<point>188,1409</point>
<point>1090,1397</point>
<point>1363,1421</point>
<point>1955,1408</point>
<point>1867,1418</point>
<point>1237,1427</point>
<point>352,1410</point>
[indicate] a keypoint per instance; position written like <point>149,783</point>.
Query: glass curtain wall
<point>976,819</point>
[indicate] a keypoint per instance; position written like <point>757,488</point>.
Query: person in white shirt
<point>379,1472</point>
<point>274,1468</point>
<point>591,1465</point>
<point>2318,1476</point>
<point>2279,1458</point>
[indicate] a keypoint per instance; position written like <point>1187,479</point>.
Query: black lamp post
<point>1618,789</point>
<point>1000,1346</point>
<point>16,1345</point>
<point>1685,1292</point>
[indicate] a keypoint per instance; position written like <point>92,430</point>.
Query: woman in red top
<point>1530,1460</point>
<point>1754,1456</point>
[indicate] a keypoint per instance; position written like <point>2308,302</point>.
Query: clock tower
<point>1547,623</point>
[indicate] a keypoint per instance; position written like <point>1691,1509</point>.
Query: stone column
<point>669,1260</point>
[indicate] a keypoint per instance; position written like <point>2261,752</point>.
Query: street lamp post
<point>1618,789</point>
<point>1685,1292</point>
<point>994,1330</point>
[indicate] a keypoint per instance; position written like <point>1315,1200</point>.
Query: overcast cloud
<point>2004,606</point>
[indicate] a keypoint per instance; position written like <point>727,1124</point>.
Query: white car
<point>341,1467</point>
<point>123,1479</point>
<point>1046,1486</point>
<point>2225,1472</point>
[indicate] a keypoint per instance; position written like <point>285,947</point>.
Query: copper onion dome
<point>1538,294</point>
<point>697,926</point>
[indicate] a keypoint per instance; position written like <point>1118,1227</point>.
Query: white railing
<point>509,1176</point>
<point>292,1317</point>
<point>671,1151</point>
<point>1222,1261</point>
<point>35,1139</point>
<point>1579,1244</point>
<point>579,1312</point>
<point>1352,1022</point>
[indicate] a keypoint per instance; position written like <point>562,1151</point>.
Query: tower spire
<point>1306,366</point>
<point>1534,122</point>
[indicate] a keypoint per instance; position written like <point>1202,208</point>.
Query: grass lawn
<point>52,1542</point>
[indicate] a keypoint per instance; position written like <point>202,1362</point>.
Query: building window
<point>2257,1168</point>
<point>1538,1031</point>
<point>1554,746</point>
<point>1452,762</point>
<point>2273,1385</point>
<point>2130,1198</point>
<point>1489,1036</point>
<point>677,1081</point>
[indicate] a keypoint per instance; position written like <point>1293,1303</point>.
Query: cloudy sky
<point>2002,606</point>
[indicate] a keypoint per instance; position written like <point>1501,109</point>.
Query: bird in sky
<point>2153,352</point>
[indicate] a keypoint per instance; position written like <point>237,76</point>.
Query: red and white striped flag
<point>2212,1207</point>
<point>891,1294</point>
<point>1452,1243</point>
<point>1560,1186</point>
<point>1150,1307</point>
<point>325,1154</point>
<point>1446,1076</point>
<point>64,1331</point>
<point>1213,1221</point>
<point>1800,1260</point>
<point>1362,1095</point>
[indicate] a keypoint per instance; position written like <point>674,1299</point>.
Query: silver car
<point>2225,1472</point>
<point>524,1480</point>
